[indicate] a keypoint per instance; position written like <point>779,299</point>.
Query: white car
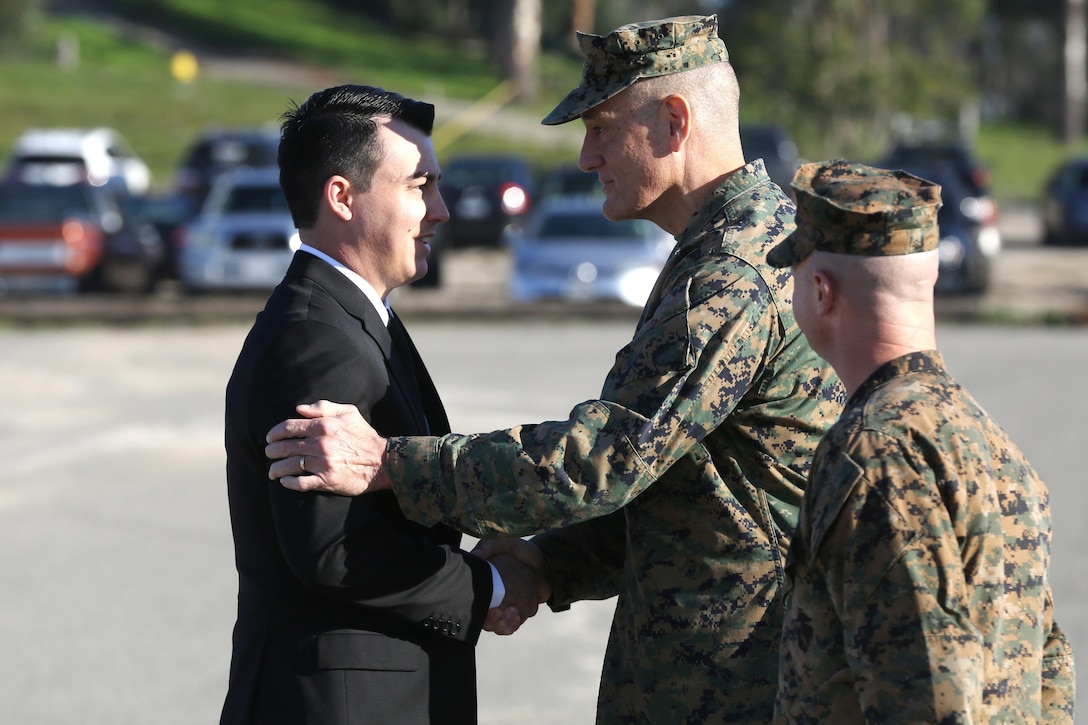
<point>569,251</point>
<point>62,156</point>
<point>243,238</point>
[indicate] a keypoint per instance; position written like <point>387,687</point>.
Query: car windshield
<point>1075,177</point>
<point>42,203</point>
<point>229,152</point>
<point>589,224</point>
<point>484,173</point>
<point>256,199</point>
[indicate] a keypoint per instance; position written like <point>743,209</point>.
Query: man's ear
<point>826,292</point>
<point>338,196</point>
<point>678,113</point>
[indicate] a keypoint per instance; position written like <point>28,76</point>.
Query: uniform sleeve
<point>895,575</point>
<point>679,378</point>
<point>359,550</point>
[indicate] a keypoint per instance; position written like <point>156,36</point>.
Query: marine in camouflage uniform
<point>919,569</point>
<point>678,489</point>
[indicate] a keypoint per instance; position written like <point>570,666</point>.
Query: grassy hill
<point>260,55</point>
<point>255,59</point>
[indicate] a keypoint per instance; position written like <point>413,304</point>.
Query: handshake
<point>521,566</point>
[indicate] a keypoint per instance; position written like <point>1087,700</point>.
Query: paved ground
<point>116,578</point>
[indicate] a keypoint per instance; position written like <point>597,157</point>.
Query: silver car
<point>568,250</point>
<point>243,238</point>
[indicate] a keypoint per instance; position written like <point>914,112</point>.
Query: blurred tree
<point>836,73</point>
<point>17,21</point>
<point>1075,85</point>
<point>516,44</point>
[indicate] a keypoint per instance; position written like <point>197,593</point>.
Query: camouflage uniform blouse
<point>920,590</point>
<point>700,443</point>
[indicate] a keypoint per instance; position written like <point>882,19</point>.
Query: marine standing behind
<point>921,591</point>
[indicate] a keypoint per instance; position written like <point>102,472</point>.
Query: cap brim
<point>581,99</point>
<point>788,252</point>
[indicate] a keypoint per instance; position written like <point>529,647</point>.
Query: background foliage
<point>843,76</point>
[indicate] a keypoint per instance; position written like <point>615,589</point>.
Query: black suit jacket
<point>347,611</point>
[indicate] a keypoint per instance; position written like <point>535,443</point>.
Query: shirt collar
<point>365,287</point>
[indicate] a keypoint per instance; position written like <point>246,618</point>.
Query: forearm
<point>526,479</point>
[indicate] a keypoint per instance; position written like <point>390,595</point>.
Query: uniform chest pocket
<point>659,349</point>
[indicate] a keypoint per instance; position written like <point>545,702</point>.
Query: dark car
<point>76,237</point>
<point>167,213</point>
<point>484,194</point>
<point>956,154</point>
<point>219,150</point>
<point>1065,204</point>
<point>969,238</point>
<point>777,149</point>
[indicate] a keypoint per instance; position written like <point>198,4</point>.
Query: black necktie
<point>406,359</point>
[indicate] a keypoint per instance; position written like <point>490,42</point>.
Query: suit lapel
<point>400,360</point>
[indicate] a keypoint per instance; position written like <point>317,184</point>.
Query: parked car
<point>167,213</point>
<point>78,237</point>
<point>568,250</point>
<point>217,150</point>
<point>1065,204</point>
<point>969,237</point>
<point>955,153</point>
<point>485,195</point>
<point>242,239</point>
<point>568,181</point>
<point>775,146</point>
<point>64,156</point>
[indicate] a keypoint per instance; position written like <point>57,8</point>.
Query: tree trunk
<point>1076,87</point>
<point>518,46</point>
<point>583,17</point>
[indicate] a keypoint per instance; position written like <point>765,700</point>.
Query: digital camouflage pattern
<point>851,208</point>
<point>680,485</point>
<point>650,48</point>
<point>920,587</point>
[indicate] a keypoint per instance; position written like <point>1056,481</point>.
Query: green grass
<point>1021,159</point>
<point>123,80</point>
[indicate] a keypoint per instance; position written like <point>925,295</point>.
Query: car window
<point>256,199</point>
<point>230,152</point>
<point>1075,177</point>
<point>590,224</point>
<point>465,174</point>
<point>43,203</point>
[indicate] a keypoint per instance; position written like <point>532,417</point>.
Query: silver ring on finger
<point>302,463</point>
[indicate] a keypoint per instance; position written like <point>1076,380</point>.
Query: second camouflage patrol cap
<point>639,50</point>
<point>851,208</point>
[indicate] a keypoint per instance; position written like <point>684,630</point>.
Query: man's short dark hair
<point>334,132</point>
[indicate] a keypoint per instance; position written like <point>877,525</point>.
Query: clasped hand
<point>520,564</point>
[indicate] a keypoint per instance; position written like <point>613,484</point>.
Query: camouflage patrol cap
<point>850,208</point>
<point>639,50</point>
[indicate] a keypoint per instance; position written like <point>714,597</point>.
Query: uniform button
<point>456,628</point>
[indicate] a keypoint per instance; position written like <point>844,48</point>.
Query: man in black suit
<point>347,611</point>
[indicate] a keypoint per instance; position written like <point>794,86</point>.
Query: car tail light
<point>84,243</point>
<point>980,176</point>
<point>179,238</point>
<point>515,200</point>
